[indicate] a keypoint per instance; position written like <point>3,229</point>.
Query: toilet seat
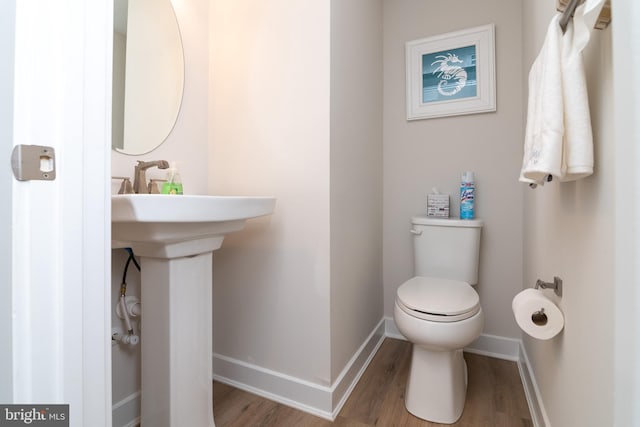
<point>438,300</point>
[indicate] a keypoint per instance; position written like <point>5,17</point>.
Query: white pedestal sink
<point>175,237</point>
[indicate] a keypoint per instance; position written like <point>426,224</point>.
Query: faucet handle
<point>160,164</point>
<point>153,185</point>
<point>125,187</point>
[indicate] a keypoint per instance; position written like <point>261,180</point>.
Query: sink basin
<point>168,226</point>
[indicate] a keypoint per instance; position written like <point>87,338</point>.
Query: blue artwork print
<point>449,74</point>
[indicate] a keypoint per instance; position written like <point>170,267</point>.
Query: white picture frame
<point>451,74</point>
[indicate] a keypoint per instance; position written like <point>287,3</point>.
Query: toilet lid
<point>439,297</point>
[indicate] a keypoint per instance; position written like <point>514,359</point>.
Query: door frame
<point>7,41</point>
<point>626,68</point>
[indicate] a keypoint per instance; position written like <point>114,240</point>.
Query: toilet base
<point>437,385</point>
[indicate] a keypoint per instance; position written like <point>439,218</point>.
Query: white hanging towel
<point>561,146</point>
<point>578,138</point>
<point>545,112</point>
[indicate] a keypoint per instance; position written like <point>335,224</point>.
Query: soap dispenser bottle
<point>173,184</point>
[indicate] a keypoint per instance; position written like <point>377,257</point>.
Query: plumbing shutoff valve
<point>129,339</point>
<point>128,308</point>
<point>132,305</point>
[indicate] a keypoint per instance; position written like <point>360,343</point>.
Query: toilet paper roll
<point>537,315</point>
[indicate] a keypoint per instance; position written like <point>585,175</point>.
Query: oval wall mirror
<point>148,74</point>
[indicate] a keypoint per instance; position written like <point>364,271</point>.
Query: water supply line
<point>125,309</point>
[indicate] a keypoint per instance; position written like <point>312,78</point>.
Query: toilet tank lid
<point>446,222</point>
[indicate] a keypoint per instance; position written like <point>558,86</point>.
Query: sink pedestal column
<point>175,237</point>
<point>176,339</point>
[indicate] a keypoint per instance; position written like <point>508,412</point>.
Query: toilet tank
<point>446,247</point>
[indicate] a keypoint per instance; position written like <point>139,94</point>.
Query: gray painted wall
<point>296,113</point>
<point>569,232</point>
<point>356,176</point>
<point>422,154</point>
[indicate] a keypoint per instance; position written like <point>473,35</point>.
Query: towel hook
<point>548,178</point>
<point>568,13</point>
<point>603,20</point>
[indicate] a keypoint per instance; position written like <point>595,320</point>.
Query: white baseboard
<point>391,330</point>
<point>126,413</point>
<point>532,392</point>
<point>322,401</point>
<point>290,391</point>
<point>495,346</point>
<point>354,369</point>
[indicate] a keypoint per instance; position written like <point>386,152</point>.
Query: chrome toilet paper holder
<point>556,285</point>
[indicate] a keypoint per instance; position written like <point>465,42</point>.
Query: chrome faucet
<point>140,175</point>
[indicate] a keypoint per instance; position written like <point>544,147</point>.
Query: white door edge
<point>61,229</point>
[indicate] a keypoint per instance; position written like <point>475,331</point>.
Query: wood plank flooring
<point>495,398</point>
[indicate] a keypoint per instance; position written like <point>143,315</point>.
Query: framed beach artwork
<point>451,74</point>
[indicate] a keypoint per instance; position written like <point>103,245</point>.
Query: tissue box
<point>438,205</point>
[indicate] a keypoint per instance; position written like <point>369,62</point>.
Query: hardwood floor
<point>495,397</point>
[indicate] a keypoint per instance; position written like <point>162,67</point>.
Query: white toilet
<point>440,313</point>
